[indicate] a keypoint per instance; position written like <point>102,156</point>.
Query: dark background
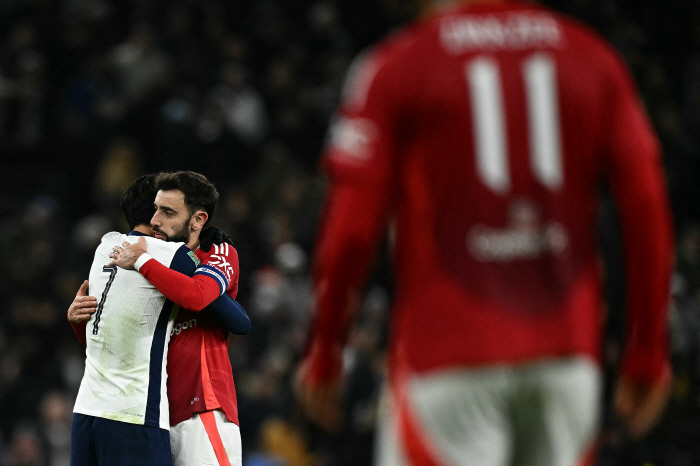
<point>96,92</point>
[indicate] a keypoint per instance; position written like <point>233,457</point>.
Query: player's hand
<point>321,404</point>
<point>83,306</point>
<point>127,255</point>
<point>640,405</point>
<point>213,235</point>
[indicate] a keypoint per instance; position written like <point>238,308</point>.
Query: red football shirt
<point>199,370</point>
<point>482,135</point>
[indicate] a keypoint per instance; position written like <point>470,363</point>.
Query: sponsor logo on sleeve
<point>353,139</point>
<point>194,258</point>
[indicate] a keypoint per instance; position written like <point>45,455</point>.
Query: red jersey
<point>199,370</point>
<point>483,133</point>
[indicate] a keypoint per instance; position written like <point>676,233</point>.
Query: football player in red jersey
<point>483,133</point>
<point>203,410</point>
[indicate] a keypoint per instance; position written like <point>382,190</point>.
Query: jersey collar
<point>136,233</point>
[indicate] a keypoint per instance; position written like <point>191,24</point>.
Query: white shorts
<point>206,439</point>
<point>539,414</point>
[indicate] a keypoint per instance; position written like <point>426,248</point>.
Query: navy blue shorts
<point>97,441</point>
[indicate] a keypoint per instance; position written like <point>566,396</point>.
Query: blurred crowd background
<point>94,93</point>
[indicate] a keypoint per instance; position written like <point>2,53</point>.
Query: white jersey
<point>127,337</point>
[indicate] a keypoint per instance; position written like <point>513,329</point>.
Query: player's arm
<point>189,292</point>
<point>229,314</point>
<point>359,162</point>
<point>639,188</point>
<point>343,255</point>
<point>220,263</point>
<point>193,293</point>
<point>80,310</point>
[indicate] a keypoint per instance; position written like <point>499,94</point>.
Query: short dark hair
<point>137,201</point>
<point>200,193</point>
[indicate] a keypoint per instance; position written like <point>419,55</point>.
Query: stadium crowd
<point>94,93</point>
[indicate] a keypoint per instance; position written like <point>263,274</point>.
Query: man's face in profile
<point>171,222</point>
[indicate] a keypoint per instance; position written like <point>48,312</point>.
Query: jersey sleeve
<point>220,264</point>
<point>176,284</point>
<point>359,161</point>
<point>229,314</point>
<point>80,329</point>
<point>638,185</point>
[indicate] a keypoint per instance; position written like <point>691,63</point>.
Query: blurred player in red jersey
<point>482,134</point>
<point>203,409</point>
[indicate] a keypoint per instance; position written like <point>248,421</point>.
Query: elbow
<point>193,305</point>
<point>195,299</point>
<point>244,328</point>
<point>241,326</point>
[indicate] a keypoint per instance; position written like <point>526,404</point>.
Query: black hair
<point>137,201</point>
<point>200,193</point>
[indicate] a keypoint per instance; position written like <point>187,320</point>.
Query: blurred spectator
<point>240,105</point>
<point>26,449</point>
<point>25,90</point>
<point>142,66</point>
<point>119,167</point>
<point>56,415</point>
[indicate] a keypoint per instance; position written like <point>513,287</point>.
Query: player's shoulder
<point>582,40</point>
<point>218,250</point>
<point>107,243</point>
<point>109,240</point>
<point>175,255</point>
<point>392,49</point>
<point>398,44</point>
<point>219,263</point>
<point>163,249</point>
<point>384,61</point>
<point>112,236</point>
<point>158,243</point>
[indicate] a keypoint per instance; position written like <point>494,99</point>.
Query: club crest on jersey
<point>194,258</point>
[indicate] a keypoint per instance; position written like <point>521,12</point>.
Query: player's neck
<point>193,243</point>
<point>442,4</point>
<point>145,229</point>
